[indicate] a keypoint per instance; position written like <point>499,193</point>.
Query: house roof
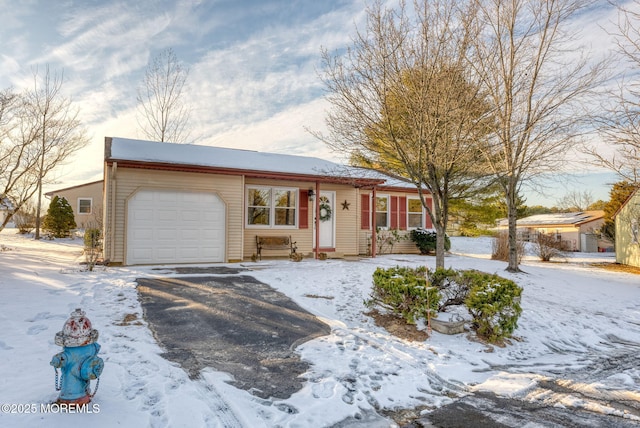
<point>561,219</point>
<point>53,192</point>
<point>192,157</point>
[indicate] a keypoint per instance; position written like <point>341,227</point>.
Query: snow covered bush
<point>449,282</point>
<point>404,291</point>
<point>494,304</point>
<point>425,240</point>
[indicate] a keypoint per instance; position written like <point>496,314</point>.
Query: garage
<point>175,226</point>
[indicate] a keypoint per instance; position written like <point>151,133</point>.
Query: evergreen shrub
<point>59,219</point>
<point>453,289</point>
<point>425,240</point>
<point>92,237</point>
<point>494,304</point>
<point>404,291</point>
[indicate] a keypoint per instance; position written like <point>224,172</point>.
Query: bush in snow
<point>547,247</point>
<point>59,219</point>
<point>451,285</point>
<point>386,239</point>
<point>500,247</point>
<point>92,246</point>
<point>493,302</point>
<point>92,238</point>
<point>404,291</point>
<point>425,240</point>
<point>25,220</point>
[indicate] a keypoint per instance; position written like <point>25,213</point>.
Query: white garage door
<point>166,226</point>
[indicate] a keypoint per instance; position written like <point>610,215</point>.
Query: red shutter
<point>303,207</point>
<point>403,213</point>
<point>427,220</point>
<point>365,212</point>
<point>394,212</point>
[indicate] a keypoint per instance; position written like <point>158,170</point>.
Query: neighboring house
<point>86,201</point>
<point>5,209</point>
<point>627,220</point>
<point>578,231</point>
<point>173,203</point>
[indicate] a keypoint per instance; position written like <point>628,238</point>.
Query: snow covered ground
<point>580,323</point>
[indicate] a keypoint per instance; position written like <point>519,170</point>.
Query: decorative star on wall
<point>345,205</point>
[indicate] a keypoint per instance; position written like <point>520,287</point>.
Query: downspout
<point>114,169</point>
<point>317,220</point>
<point>374,233</point>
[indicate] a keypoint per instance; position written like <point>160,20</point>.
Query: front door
<point>327,219</point>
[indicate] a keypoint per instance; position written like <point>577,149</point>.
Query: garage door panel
<point>175,227</point>
<point>190,215</point>
<point>144,214</point>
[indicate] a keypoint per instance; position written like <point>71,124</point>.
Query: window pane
<point>285,216</point>
<point>285,198</point>
<point>381,211</point>
<point>258,216</point>
<point>84,206</point>
<point>415,220</point>
<point>259,198</point>
<point>415,206</point>
<point>381,220</point>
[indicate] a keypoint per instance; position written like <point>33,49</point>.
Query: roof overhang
<point>165,166</point>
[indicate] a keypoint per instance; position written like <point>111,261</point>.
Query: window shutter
<point>394,212</point>
<point>303,210</point>
<point>427,220</point>
<point>365,211</point>
<point>403,213</point>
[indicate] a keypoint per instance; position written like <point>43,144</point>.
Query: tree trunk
<point>512,216</point>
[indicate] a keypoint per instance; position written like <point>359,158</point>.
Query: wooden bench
<point>275,243</point>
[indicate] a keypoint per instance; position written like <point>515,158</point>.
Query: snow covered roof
<point>192,155</point>
<point>558,219</point>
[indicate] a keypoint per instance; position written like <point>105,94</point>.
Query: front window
<point>84,205</point>
<point>414,211</point>
<point>635,236</point>
<point>382,211</point>
<point>271,206</point>
<point>259,206</point>
<point>285,210</point>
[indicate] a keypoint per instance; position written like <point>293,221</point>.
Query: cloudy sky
<point>253,81</point>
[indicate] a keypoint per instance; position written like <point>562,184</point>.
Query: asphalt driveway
<point>232,323</point>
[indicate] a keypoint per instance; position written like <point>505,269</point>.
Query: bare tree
<point>162,114</point>
<point>576,201</point>
<point>17,160</point>
<point>536,80</point>
<point>619,125</point>
<point>42,132</point>
<point>404,102</point>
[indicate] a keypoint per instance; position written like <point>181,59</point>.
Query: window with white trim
<point>271,206</point>
<point>635,233</point>
<point>414,213</point>
<point>382,212</point>
<point>85,205</point>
